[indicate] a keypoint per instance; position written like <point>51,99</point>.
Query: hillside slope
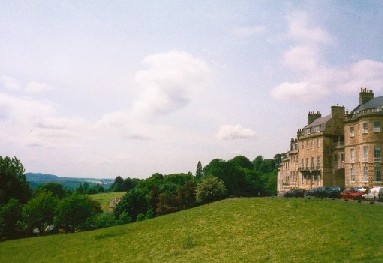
<point>233,230</point>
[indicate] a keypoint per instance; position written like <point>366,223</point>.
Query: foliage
<point>74,210</point>
<point>121,185</point>
<point>10,215</point>
<point>199,171</point>
<point>40,211</point>
<point>232,230</point>
<point>210,189</point>
<point>134,202</point>
<point>86,188</point>
<point>56,189</point>
<point>12,181</point>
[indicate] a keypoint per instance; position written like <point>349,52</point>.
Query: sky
<point>131,88</point>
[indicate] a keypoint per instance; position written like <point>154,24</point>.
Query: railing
<point>309,168</point>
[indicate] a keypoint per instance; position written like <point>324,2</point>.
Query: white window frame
<point>377,153</point>
<point>352,174</point>
<point>365,174</point>
<point>352,155</point>
<point>365,154</point>
<point>376,126</point>
<point>365,127</point>
<point>377,174</point>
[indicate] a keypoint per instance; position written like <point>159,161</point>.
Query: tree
<point>10,215</point>
<point>199,171</point>
<point>74,210</point>
<point>56,189</point>
<point>13,183</point>
<point>134,202</point>
<point>243,162</point>
<point>40,211</point>
<point>210,189</point>
<point>118,185</point>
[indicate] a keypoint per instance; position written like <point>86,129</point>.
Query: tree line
<point>51,208</point>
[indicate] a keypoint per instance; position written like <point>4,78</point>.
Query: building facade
<point>341,149</point>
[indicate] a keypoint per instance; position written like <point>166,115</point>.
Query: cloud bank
<point>234,132</point>
<point>315,79</point>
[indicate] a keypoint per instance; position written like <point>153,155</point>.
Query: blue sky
<point>131,88</point>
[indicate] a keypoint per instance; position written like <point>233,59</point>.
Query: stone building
<point>341,149</point>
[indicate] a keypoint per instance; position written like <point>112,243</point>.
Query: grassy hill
<point>233,230</point>
<point>104,198</point>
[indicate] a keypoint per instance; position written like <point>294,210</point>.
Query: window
<point>308,131</point>
<point>376,126</point>
<point>377,174</point>
<point>318,162</point>
<point>312,163</point>
<point>313,144</point>
<point>352,131</point>
<point>352,174</point>
<point>316,128</point>
<point>307,144</point>
<point>303,165</point>
<point>307,162</point>
<point>318,142</point>
<point>377,153</point>
<point>365,127</point>
<point>365,153</point>
<point>365,174</point>
<point>342,157</point>
<point>352,155</point>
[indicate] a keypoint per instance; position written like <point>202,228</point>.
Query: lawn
<point>104,199</point>
<point>233,230</point>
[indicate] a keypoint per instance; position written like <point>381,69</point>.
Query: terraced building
<point>341,149</point>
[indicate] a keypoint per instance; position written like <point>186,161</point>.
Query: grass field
<point>233,230</point>
<point>104,199</point>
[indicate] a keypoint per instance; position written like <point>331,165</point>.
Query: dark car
<point>295,193</point>
<point>309,193</point>
<point>327,192</point>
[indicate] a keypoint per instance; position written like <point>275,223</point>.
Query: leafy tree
<point>13,183</point>
<point>74,210</point>
<point>39,211</point>
<point>210,189</point>
<point>199,171</point>
<point>118,185</point>
<point>56,189</point>
<point>243,162</point>
<point>10,215</point>
<point>134,202</point>
<point>231,174</point>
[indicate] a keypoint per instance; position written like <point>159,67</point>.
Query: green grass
<point>233,230</point>
<point>104,199</point>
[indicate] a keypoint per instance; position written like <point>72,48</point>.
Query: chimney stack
<point>312,116</point>
<point>365,95</point>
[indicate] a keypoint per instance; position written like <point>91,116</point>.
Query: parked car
<point>327,192</point>
<point>375,193</point>
<point>351,193</point>
<point>309,193</point>
<point>363,189</point>
<point>295,193</point>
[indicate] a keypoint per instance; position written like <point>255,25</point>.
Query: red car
<point>351,193</point>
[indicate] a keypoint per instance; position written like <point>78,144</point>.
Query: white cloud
<point>316,79</point>
<point>233,132</point>
<point>169,83</point>
<point>9,83</point>
<point>248,31</point>
<point>302,31</point>
<point>301,90</point>
<point>37,87</point>
<point>302,58</point>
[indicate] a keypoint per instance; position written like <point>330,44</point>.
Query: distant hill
<point>232,230</point>
<point>36,179</point>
